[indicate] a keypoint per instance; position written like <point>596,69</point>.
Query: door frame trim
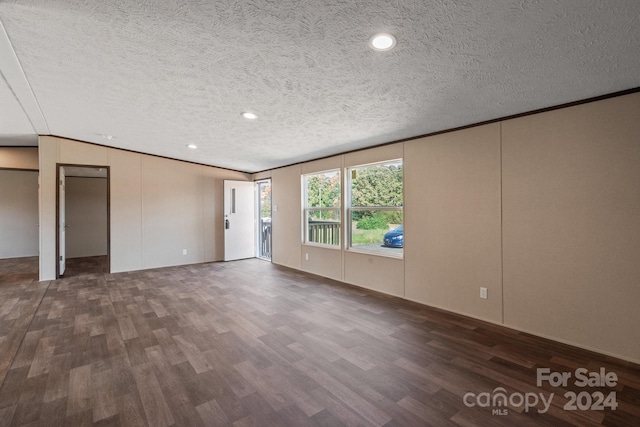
<point>108,169</point>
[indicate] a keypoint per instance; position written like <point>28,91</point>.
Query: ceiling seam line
<point>14,56</point>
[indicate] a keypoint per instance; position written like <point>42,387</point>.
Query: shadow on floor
<point>77,267</point>
<point>14,271</point>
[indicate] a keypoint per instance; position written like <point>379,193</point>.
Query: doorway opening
<point>83,220</point>
<point>19,230</point>
<point>264,219</point>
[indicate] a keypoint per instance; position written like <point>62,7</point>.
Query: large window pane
<point>378,230</point>
<point>322,208</point>
<point>322,190</point>
<point>377,185</point>
<point>375,209</point>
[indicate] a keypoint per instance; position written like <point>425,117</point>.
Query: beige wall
<point>382,274</point>
<point>571,206</point>
<point>18,213</point>
<point>158,207</point>
<point>452,214</point>
<point>86,216</point>
<point>172,214</point>
<point>262,175</point>
<point>125,175</point>
<point>322,261</point>
<point>19,158</point>
<point>543,211</point>
<point>287,216</point>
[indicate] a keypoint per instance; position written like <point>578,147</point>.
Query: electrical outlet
<point>483,293</point>
<point>184,252</point>
<point>306,257</point>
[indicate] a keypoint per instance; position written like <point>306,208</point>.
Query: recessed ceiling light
<point>192,146</point>
<point>107,136</point>
<point>248,115</point>
<point>382,41</point>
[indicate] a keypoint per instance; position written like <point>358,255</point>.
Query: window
<point>375,208</point>
<point>322,208</point>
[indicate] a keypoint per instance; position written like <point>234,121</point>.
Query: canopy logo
<point>499,400</point>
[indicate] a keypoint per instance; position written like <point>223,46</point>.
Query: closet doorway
<point>83,220</point>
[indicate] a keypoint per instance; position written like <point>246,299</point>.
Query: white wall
<point>86,216</point>
<point>158,206</point>
<point>18,202</point>
<point>18,213</point>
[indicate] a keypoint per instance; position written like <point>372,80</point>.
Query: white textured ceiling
<point>13,120</point>
<point>158,75</point>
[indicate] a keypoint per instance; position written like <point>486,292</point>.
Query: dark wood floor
<point>249,343</point>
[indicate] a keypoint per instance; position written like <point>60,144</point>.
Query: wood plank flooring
<point>249,343</point>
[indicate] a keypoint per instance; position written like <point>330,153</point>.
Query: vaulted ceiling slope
<point>153,76</point>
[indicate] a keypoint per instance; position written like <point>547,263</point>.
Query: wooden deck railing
<point>265,238</point>
<point>325,232</point>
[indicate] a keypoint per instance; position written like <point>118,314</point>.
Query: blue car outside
<point>394,238</point>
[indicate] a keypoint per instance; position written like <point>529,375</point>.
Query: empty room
<point>336,213</point>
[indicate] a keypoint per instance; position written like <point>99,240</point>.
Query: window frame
<point>349,209</point>
<point>306,209</point>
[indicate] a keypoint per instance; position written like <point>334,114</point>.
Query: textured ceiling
<point>13,120</point>
<point>159,75</point>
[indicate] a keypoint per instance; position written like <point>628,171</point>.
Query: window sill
<point>387,252</point>
<point>320,245</point>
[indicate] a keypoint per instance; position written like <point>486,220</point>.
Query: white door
<point>239,220</point>
<point>62,222</point>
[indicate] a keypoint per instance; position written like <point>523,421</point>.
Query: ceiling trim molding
<point>472,125</point>
<point>19,169</point>
<point>33,147</point>
<point>15,77</point>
